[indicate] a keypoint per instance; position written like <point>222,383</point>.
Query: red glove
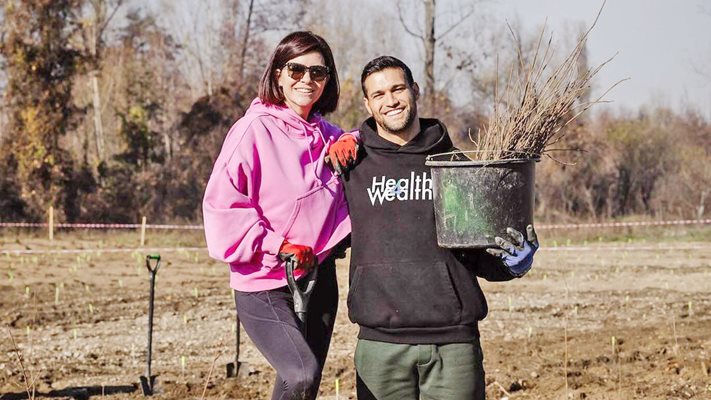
<point>343,152</point>
<point>304,254</point>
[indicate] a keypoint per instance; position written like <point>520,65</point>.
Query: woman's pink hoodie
<point>270,183</point>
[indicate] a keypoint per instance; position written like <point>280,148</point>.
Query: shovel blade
<point>147,385</point>
<point>237,369</point>
<point>231,370</point>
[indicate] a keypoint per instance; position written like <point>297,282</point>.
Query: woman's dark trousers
<point>268,318</point>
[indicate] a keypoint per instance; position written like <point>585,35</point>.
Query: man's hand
<point>342,153</point>
<point>516,254</point>
<point>304,255</point>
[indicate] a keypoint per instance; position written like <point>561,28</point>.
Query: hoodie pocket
<point>403,295</point>
<point>315,216</point>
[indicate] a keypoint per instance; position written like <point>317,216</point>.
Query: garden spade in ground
<point>237,368</point>
<point>148,380</point>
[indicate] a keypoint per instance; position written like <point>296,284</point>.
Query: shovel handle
<point>301,297</point>
<point>153,257</point>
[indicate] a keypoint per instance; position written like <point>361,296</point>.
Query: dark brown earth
<point>547,336</point>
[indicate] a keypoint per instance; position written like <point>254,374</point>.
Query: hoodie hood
<point>294,124</point>
<point>433,137</point>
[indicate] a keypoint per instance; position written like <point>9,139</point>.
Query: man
<point>417,305</point>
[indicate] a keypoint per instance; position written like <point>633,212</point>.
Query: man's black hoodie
<point>403,287</point>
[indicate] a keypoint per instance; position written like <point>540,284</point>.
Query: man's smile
<point>394,112</point>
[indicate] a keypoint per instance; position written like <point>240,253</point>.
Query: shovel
<point>237,368</point>
<point>148,380</point>
<point>301,297</point>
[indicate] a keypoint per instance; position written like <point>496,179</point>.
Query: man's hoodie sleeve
<point>484,265</point>
<point>234,227</point>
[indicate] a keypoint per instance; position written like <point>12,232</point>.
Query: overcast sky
<point>664,46</point>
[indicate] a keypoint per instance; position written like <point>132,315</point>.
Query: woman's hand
<point>343,153</point>
<point>304,254</point>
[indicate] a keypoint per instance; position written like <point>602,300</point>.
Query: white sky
<point>662,44</point>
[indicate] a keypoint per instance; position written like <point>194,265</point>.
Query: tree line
<point>112,110</point>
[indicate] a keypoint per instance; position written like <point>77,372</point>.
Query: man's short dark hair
<point>381,63</point>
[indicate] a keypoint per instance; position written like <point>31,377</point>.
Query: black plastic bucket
<point>477,200</point>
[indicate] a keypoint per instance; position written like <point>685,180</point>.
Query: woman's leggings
<point>268,318</point>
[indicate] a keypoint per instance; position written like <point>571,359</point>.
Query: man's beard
<point>395,129</point>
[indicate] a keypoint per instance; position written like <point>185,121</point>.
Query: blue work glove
<point>516,254</point>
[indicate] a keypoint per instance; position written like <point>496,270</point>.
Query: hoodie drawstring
<point>308,150</point>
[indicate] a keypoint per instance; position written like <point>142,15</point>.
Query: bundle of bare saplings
<point>479,193</point>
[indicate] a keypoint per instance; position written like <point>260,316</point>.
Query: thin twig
<point>619,376</point>
<point>209,375</point>
<point>565,333</point>
<point>456,24</point>
<point>501,387</point>
<point>29,385</point>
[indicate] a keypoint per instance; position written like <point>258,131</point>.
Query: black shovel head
<point>237,369</point>
<point>146,386</point>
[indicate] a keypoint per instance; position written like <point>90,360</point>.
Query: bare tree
<point>198,31</point>
<point>429,40</point>
<point>245,39</point>
<point>3,77</point>
<point>218,37</point>
<point>94,29</point>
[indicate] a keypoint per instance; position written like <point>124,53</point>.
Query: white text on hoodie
<point>415,187</point>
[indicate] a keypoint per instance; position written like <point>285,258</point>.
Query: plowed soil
<point>622,319</point>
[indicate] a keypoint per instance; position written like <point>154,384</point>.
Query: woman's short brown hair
<point>294,45</point>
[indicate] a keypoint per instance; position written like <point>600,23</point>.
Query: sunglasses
<point>297,71</point>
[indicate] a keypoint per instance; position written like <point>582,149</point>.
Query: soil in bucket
<point>475,201</point>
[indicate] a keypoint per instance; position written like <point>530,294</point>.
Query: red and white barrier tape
<point>624,224</point>
<point>200,227</point>
<point>113,250</point>
<point>624,248</point>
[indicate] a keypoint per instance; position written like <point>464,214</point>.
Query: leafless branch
<point>245,39</point>
<point>404,24</point>
<point>209,375</point>
<point>456,24</point>
<point>110,17</point>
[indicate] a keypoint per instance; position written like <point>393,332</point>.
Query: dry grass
<point>538,101</point>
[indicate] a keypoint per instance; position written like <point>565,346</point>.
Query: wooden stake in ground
<point>143,231</point>
<point>51,224</point>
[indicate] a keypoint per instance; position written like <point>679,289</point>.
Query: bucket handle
<point>536,157</point>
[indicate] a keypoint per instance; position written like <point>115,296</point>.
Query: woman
<point>271,193</point>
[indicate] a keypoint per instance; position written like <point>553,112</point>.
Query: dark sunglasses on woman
<point>297,71</point>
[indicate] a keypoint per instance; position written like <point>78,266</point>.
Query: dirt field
<point>622,317</point>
